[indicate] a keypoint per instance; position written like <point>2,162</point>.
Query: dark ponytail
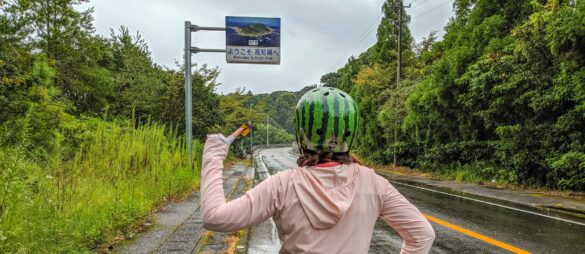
<point>312,158</point>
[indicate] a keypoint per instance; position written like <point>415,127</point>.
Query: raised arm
<point>256,206</point>
<point>408,221</point>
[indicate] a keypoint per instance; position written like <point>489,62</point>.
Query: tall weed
<point>76,203</point>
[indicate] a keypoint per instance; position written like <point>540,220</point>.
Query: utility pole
<point>251,147</point>
<point>251,138</point>
<point>398,62</point>
<point>399,56</point>
<point>267,144</point>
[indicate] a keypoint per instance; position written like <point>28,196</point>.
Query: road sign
<point>252,40</point>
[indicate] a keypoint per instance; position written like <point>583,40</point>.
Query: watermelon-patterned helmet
<point>326,119</point>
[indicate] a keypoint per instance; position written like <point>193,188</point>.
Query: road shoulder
<point>545,202</point>
<point>178,227</point>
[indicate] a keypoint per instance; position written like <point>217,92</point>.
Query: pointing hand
<point>237,132</point>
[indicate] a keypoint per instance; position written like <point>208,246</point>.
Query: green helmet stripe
<point>312,111</point>
<point>345,119</point>
<point>302,121</point>
<point>355,121</point>
<point>297,126</point>
<point>332,114</point>
<point>351,119</point>
<point>336,117</point>
<point>317,119</point>
<point>306,113</point>
<point>324,121</point>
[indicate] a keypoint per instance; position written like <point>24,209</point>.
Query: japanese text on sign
<point>253,40</point>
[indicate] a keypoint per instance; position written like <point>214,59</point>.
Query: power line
<point>275,123</point>
<point>432,9</point>
<point>355,44</point>
<point>364,35</point>
<point>419,4</point>
<point>352,51</point>
<point>413,1</point>
<point>367,44</point>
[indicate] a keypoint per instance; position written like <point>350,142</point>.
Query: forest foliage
<point>500,98</point>
<point>92,130</point>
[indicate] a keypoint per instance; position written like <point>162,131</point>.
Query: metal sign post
<point>189,28</point>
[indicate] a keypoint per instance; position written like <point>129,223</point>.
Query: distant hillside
<point>280,106</point>
<point>254,30</point>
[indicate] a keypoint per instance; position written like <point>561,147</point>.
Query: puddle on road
<point>385,239</point>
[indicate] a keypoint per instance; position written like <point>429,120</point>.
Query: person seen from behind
<point>330,202</point>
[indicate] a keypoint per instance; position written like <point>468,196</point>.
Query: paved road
<point>466,226</point>
<point>178,229</point>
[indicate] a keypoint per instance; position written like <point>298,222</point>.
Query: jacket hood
<point>326,193</point>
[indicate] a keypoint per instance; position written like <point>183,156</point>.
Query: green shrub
<point>103,190</point>
<point>406,154</point>
<point>481,172</point>
<point>569,171</point>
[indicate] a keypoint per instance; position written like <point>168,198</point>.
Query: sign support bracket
<point>189,50</point>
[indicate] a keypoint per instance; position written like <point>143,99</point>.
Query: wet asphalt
<point>524,231</point>
<point>263,238</point>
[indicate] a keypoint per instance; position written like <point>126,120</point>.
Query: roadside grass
<point>467,175</point>
<point>232,241</point>
<point>101,194</point>
<point>204,241</point>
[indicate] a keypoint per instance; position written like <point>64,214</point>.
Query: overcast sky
<point>317,36</point>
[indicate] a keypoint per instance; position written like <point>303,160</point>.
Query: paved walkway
<point>178,228</point>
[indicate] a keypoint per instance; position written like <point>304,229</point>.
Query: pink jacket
<point>315,209</point>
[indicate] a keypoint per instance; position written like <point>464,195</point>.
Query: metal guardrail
<point>256,147</point>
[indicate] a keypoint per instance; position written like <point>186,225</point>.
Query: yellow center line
<point>476,235</point>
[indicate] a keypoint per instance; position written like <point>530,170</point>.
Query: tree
<point>138,82</point>
<point>65,35</point>
<point>503,93</point>
<point>30,111</point>
<point>370,93</point>
<point>385,49</point>
<point>330,79</point>
<point>207,114</point>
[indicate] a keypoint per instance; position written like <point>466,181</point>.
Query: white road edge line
<point>490,203</point>
<point>261,159</point>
